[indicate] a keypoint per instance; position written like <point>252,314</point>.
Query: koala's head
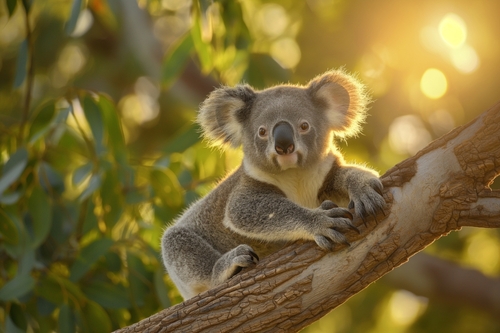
<point>285,126</point>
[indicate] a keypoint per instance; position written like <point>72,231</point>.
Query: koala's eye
<point>304,127</point>
<point>262,132</point>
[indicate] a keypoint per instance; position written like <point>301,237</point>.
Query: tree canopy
<point>99,153</point>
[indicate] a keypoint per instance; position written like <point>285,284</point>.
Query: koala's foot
<point>232,262</point>
<point>367,199</point>
<point>330,223</point>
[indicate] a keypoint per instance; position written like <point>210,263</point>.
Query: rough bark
<point>442,188</point>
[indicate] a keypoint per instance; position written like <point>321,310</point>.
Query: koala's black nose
<point>283,138</point>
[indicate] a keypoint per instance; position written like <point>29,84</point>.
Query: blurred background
<point>99,152</point>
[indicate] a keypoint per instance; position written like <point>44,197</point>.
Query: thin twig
<point>29,76</point>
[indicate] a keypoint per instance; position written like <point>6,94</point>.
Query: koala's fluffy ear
<point>223,113</point>
<point>343,99</point>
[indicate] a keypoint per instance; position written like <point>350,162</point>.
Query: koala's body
<point>283,191</point>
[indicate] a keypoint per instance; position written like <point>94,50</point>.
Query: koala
<point>286,186</point>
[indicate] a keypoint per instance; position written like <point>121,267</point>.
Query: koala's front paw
<point>329,223</point>
<point>366,198</point>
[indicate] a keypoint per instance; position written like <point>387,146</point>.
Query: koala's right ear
<point>222,114</point>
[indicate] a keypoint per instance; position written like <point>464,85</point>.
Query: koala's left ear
<point>223,113</point>
<point>343,99</point>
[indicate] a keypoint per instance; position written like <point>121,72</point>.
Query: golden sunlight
<point>433,83</point>
<point>406,307</point>
<point>465,59</point>
<point>453,30</point>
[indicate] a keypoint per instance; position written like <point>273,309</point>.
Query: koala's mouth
<point>288,161</point>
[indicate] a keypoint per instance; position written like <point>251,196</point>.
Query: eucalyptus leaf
<point>50,180</point>
<point>97,318</point>
<point>94,184</point>
<point>17,287</point>
<point>42,121</point>
<point>108,295</point>
<point>176,60</point>
<point>88,256</point>
<point>111,119</point>
<point>8,228</point>
<point>11,6</point>
<point>22,64</point>
<point>81,173</point>
<point>183,141</point>
<point>94,118</point>
<point>76,8</point>
<point>161,288</point>
<point>18,322</point>
<point>13,169</point>
<point>40,211</point>
<point>66,320</point>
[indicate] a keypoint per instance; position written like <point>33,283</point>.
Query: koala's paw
<point>367,198</point>
<point>329,224</point>
<point>240,257</point>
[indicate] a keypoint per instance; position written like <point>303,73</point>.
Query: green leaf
<point>17,287</point>
<point>176,60</point>
<point>94,118</point>
<point>50,180</point>
<point>183,141</point>
<point>59,290</point>
<point>11,6</point>
<point>203,49</point>
<point>97,319</point>
<point>137,277</point>
<point>23,241</point>
<point>108,295</point>
<point>264,71</point>
<point>81,173</point>
<point>17,318</point>
<point>161,288</point>
<point>40,210</point>
<point>42,121</point>
<point>11,198</point>
<point>13,168</point>
<point>166,187</point>
<point>113,262</point>
<point>88,256</point>
<point>66,320</point>
<point>116,139</point>
<point>90,222</point>
<point>27,5</point>
<point>26,262</point>
<point>22,64</point>
<point>94,184</point>
<point>112,198</point>
<point>76,8</point>
<point>8,228</point>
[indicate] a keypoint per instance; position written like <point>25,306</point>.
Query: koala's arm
<point>261,211</point>
<point>355,183</point>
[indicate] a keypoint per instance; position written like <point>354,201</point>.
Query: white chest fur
<point>301,186</point>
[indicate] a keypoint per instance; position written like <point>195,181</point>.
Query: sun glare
<point>433,83</point>
<point>453,30</point>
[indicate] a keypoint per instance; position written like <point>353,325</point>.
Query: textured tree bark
<point>442,188</point>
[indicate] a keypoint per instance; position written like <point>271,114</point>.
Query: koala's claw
<point>328,204</point>
<point>368,200</point>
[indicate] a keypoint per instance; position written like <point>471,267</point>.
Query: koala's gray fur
<point>277,195</point>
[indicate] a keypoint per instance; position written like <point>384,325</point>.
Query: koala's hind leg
<point>232,263</point>
<point>189,260</point>
<point>195,266</point>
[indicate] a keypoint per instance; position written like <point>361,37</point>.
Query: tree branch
<point>435,278</point>
<point>442,188</point>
